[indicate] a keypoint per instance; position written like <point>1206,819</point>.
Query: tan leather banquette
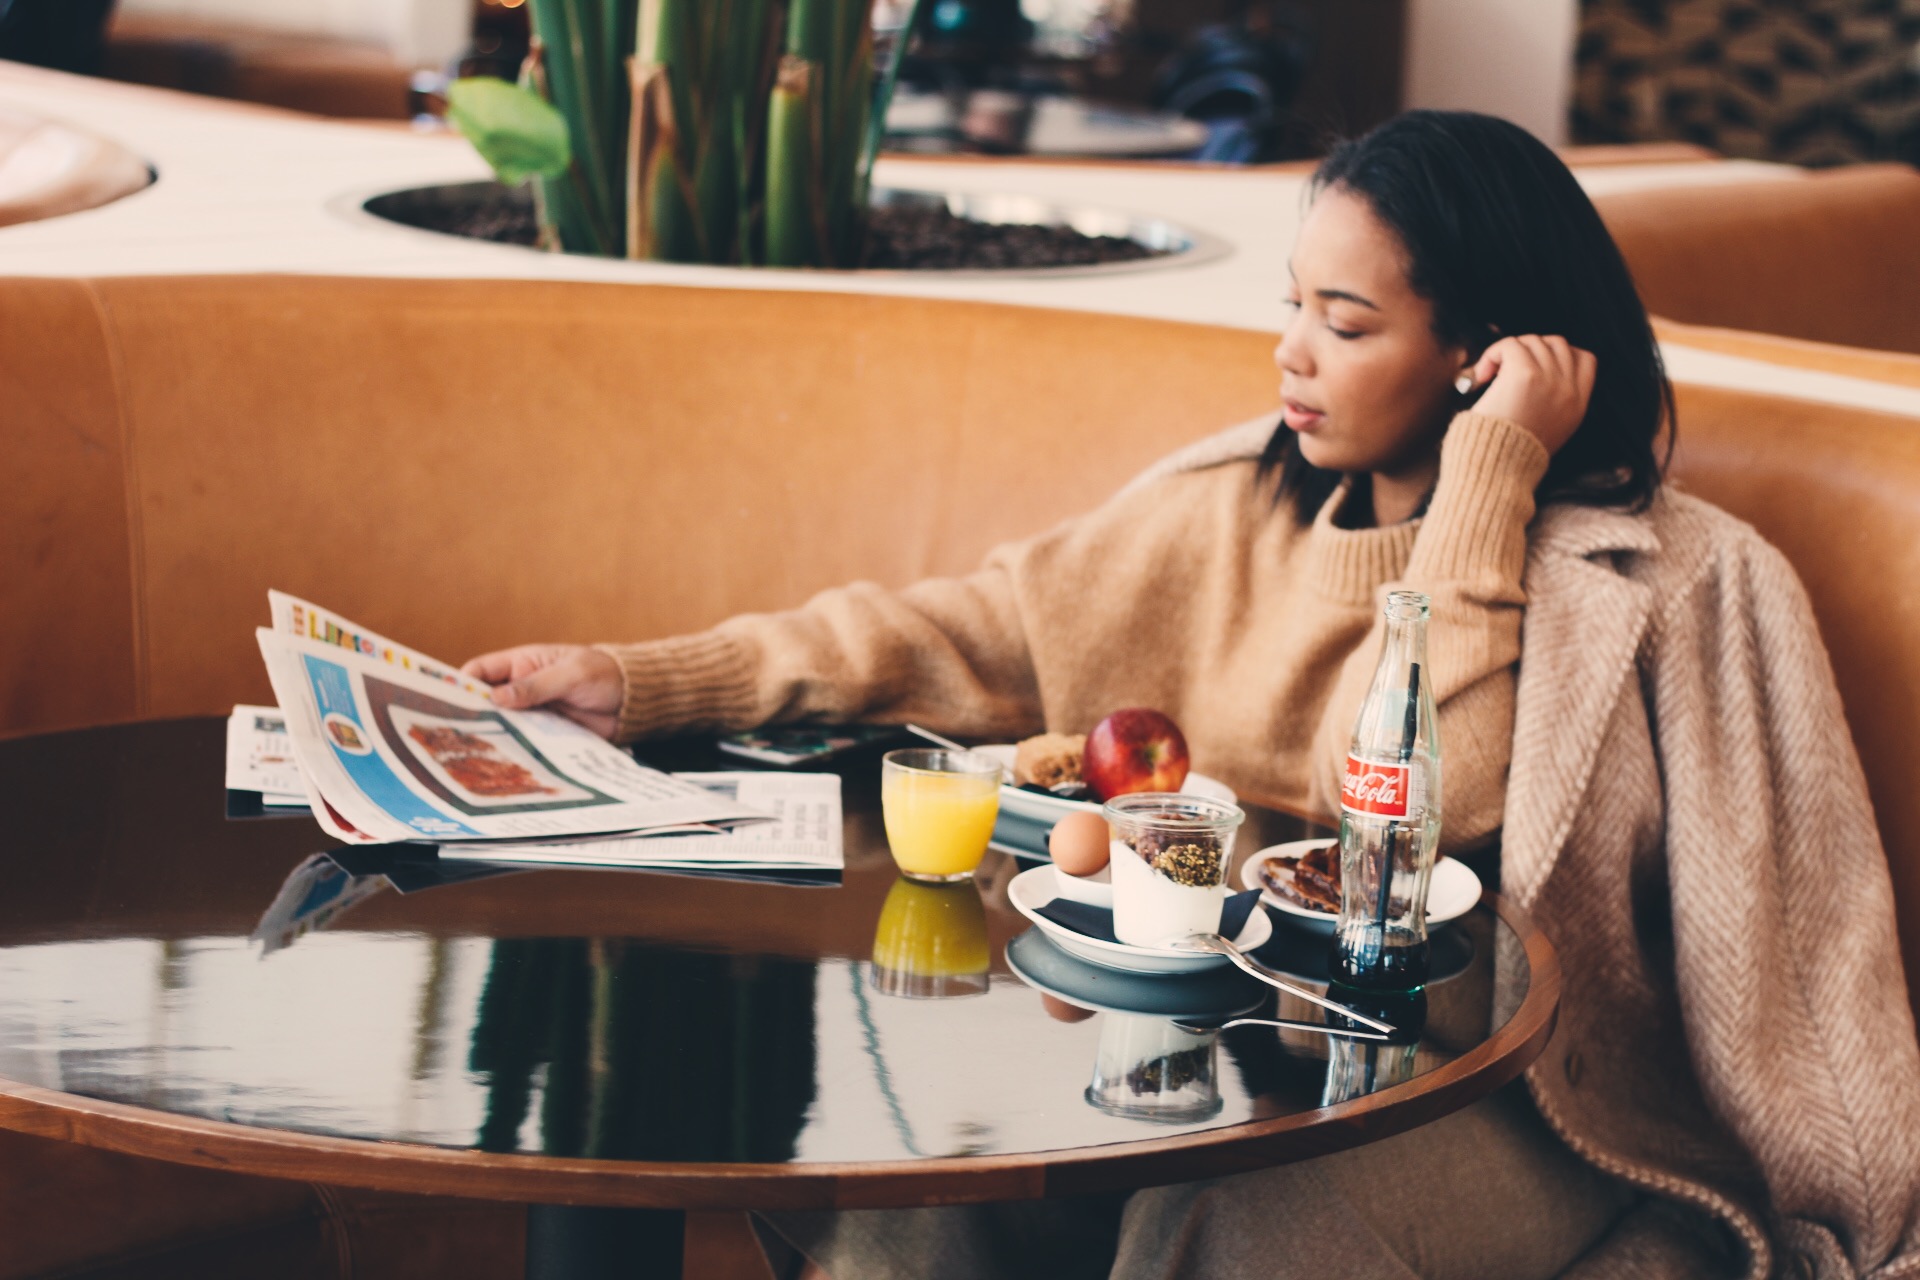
<point>1832,256</point>
<point>469,464</point>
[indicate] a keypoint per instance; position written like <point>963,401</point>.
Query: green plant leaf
<point>513,128</point>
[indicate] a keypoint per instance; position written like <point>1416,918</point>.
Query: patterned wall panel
<point>1818,82</point>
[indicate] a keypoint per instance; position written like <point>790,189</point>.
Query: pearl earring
<point>1464,383</point>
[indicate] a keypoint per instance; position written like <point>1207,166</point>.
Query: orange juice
<point>940,818</point>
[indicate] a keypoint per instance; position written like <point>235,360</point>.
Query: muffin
<point>1049,760</point>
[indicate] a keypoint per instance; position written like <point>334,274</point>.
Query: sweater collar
<point>1351,564</point>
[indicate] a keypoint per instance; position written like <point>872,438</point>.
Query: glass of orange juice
<point>939,808</point>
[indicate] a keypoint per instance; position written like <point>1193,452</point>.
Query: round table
<point>630,1039</point>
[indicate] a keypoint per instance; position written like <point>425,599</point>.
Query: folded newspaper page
<point>260,757</point>
<point>804,835</point>
<point>395,747</point>
<point>296,617</point>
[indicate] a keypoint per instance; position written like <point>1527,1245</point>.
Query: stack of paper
<point>386,745</point>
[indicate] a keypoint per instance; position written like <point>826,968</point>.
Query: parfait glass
<point>1170,853</point>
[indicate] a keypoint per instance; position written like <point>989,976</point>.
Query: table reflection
<point>623,1051</point>
<point>1154,1069</point>
<point>931,942</point>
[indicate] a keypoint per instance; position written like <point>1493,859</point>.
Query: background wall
<point>1815,82</point>
<point>1511,58</point>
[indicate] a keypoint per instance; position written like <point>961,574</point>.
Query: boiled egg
<point>1079,844</point>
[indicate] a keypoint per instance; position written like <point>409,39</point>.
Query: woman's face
<point>1366,383</point>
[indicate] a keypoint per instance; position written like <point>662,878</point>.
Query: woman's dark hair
<point>1502,240</point>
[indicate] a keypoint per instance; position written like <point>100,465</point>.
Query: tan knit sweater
<point>1191,593</point>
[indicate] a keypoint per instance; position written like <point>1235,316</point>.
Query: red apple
<point>1134,750</point>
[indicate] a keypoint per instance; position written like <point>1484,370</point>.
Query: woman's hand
<point>580,683</point>
<point>1540,382</point>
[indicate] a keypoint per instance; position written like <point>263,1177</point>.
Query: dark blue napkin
<point>1097,922</point>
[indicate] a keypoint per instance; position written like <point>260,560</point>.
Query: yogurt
<point>1150,910</point>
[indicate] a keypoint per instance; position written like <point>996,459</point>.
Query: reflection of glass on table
<point>1150,1069</point>
<point>931,942</point>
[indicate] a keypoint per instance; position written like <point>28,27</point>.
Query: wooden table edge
<point>423,1169</point>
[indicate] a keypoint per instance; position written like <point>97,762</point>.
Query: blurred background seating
<point>1828,83</point>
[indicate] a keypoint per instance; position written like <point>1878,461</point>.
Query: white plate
<point>1453,892</point>
<point>1049,809</point>
<point>1036,887</point>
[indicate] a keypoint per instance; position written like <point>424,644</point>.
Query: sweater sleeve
<point>949,652</point>
<point>1468,557</point>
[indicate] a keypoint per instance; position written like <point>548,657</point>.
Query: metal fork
<point>1285,1024</point>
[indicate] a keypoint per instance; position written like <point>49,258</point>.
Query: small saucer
<point>1218,993</point>
<point>1035,888</point>
<point>1453,892</point>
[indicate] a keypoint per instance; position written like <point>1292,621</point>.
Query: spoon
<point>936,739</point>
<point>1286,1024</point>
<point>1219,946</point>
<point>940,740</point>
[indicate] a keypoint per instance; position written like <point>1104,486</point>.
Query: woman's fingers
<point>491,667</point>
<point>581,679</point>
<point>533,688</point>
<point>1539,380</point>
<point>1494,358</point>
<point>1586,367</point>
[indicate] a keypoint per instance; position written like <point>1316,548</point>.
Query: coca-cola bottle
<point>1390,829</point>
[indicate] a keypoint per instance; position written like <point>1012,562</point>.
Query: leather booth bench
<point>466,465</point>
<point>1833,256</point>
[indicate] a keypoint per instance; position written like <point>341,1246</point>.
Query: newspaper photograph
<point>805,833</point>
<point>397,751</point>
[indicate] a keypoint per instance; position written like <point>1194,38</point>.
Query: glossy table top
<point>629,1037</point>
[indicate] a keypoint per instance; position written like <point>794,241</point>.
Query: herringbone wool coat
<point>1687,820</point>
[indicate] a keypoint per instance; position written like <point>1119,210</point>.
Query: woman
<point>1473,403</point>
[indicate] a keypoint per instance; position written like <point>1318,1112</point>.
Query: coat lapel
<point>1584,623</point>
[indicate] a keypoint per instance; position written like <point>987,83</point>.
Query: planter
<point>952,233</point>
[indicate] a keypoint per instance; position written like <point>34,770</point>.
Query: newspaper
<point>394,746</point>
<point>805,833</point>
<point>260,757</point>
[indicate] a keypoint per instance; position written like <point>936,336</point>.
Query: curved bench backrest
<point>467,465</point>
<point>1833,256</point>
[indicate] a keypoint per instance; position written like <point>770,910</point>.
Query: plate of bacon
<point>1302,879</point>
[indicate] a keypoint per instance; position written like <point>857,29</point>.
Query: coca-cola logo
<point>1371,787</point>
